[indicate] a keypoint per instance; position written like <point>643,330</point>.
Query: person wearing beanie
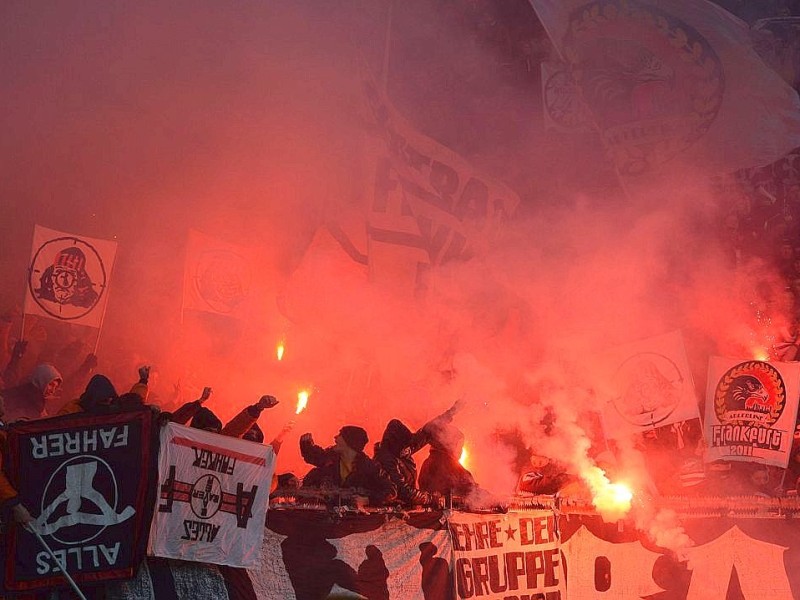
<point>345,466</point>
<point>29,400</point>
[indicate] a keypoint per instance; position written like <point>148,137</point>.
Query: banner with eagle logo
<point>751,409</point>
<point>68,277</point>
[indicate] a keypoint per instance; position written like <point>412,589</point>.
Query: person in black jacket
<point>441,471</point>
<point>345,466</point>
<point>395,453</point>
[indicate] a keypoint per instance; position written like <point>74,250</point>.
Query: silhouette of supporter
<point>372,576</point>
<point>345,466</point>
<point>436,581</point>
<point>441,472</point>
<point>312,566</point>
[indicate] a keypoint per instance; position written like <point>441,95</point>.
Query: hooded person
<point>345,466</point>
<point>395,454</point>
<point>29,400</point>
<point>206,420</point>
<point>100,395</point>
<point>441,472</point>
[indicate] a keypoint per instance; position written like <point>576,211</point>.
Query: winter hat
<point>355,437</point>
<point>205,419</point>
<point>44,374</point>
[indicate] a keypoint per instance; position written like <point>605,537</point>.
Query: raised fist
<point>307,438</point>
<point>267,401</point>
<point>21,514</point>
<point>144,373</point>
<point>205,395</point>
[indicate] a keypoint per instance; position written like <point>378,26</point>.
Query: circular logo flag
<point>68,276</point>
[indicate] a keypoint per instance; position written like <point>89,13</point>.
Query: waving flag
<point>673,82</point>
<point>68,277</point>
<point>87,477</point>
<point>751,408</point>
<point>213,497</point>
<point>650,385</point>
<point>218,276</point>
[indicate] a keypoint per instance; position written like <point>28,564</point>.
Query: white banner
<point>68,277</point>
<point>650,385</point>
<point>218,276</point>
<point>514,555</point>
<point>751,408</point>
<point>673,81</point>
<point>427,204</point>
<point>213,497</point>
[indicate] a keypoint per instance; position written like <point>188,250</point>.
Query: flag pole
<point>63,567</point>
<point>102,320</point>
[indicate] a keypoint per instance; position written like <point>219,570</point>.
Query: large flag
<point>751,407</point>
<point>87,479</point>
<point>426,205</point>
<point>218,276</point>
<point>649,385</point>
<point>213,497</point>
<point>68,277</point>
<point>673,82</point>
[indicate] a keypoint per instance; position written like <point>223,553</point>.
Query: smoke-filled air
<point>293,135</point>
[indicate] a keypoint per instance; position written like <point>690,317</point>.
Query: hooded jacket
<point>395,454</point>
<point>441,472</point>
<point>27,401</point>
<point>98,396</point>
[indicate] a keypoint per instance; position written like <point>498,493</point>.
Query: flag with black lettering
<point>213,492</point>
<point>86,480</point>
<point>426,204</point>
<point>751,409</point>
<point>68,277</point>
<point>515,555</point>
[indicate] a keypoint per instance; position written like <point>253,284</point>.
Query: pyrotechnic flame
<point>462,460</point>
<point>612,500</point>
<point>761,354</point>
<point>302,401</point>
<point>280,350</point>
